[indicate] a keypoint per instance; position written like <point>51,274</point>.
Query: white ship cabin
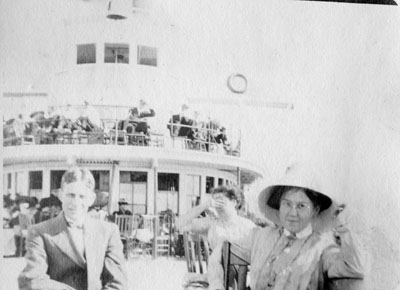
<point>152,171</point>
<point>110,104</point>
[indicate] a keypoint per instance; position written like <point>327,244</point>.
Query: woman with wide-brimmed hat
<point>300,251</point>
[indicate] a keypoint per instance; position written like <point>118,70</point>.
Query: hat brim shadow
<point>322,222</point>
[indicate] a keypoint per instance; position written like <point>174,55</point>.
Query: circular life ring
<point>237,83</point>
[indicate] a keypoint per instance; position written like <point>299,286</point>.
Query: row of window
<point>166,181</point>
<point>132,187</point>
<point>116,53</point>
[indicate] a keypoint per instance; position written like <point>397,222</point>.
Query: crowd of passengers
<point>43,128</point>
<point>34,210</point>
<point>202,134</point>
<point>17,211</point>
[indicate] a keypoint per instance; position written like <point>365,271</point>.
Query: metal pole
<point>155,172</point>
<point>238,173</point>
<point>116,126</point>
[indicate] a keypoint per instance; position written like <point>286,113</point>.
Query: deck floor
<point>143,273</point>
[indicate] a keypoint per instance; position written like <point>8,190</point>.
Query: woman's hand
<point>340,218</point>
<point>219,202</point>
<point>345,221</point>
<point>209,203</point>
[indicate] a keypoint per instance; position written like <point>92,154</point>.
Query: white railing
<point>60,130</point>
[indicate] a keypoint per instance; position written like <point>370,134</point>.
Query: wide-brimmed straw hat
<point>296,176</point>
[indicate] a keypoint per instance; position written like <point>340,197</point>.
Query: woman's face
<point>296,210</point>
<point>224,205</point>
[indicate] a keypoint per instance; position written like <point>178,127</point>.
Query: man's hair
<point>77,174</point>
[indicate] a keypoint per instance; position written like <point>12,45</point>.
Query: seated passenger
<point>99,208</point>
<point>186,129</point>
<point>137,118</point>
<point>222,139</point>
<point>92,116</point>
<point>198,131</point>
<point>123,208</point>
<point>183,121</point>
<point>73,251</point>
<point>223,224</point>
<point>300,252</point>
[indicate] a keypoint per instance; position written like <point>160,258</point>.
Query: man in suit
<point>73,251</point>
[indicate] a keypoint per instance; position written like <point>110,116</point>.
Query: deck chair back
<point>197,252</point>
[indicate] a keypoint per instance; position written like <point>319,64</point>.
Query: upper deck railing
<point>112,129</point>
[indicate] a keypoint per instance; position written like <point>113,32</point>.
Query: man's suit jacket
<point>54,261</point>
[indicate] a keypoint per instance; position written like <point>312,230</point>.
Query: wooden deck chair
<point>162,245</point>
<point>197,252</point>
<point>148,222</point>
<point>230,259</point>
<point>125,226</point>
<point>119,137</point>
<point>25,221</point>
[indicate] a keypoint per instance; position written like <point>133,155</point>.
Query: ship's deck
<point>143,273</point>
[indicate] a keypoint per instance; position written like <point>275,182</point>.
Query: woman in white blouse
<point>222,224</point>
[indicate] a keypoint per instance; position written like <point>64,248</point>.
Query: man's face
<point>76,199</point>
<point>123,207</point>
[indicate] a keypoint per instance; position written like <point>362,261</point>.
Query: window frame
<point>116,46</point>
<point>141,53</point>
<point>78,46</point>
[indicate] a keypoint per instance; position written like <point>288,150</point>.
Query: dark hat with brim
<point>122,202</point>
<point>322,201</point>
<point>36,113</point>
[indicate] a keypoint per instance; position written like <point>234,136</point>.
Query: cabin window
<point>147,55</point>
<point>19,180</point>
<point>220,181</point>
<point>192,190</point>
<point>116,53</point>
<point>8,180</point>
<point>55,180</point>
<point>86,53</point>
<point>209,184</point>
<point>168,192</point>
<point>101,180</point>
<point>133,188</point>
<point>35,179</point>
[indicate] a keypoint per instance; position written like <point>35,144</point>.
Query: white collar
<point>307,231</point>
<point>74,224</point>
